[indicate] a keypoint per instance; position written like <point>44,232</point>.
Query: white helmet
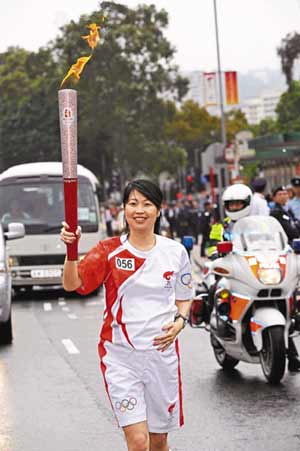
<point>237,192</point>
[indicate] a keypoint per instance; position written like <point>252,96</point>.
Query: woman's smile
<point>140,218</point>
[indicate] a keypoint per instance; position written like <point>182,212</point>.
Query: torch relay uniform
<point>143,384</point>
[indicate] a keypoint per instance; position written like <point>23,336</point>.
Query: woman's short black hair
<point>148,189</point>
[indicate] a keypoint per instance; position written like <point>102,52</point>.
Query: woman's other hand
<point>171,331</point>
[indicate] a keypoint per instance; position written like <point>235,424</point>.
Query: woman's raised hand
<point>69,237</point>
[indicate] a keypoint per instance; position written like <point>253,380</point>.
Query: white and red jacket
<point>140,287</point>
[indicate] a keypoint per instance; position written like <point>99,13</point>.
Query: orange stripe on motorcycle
<point>254,327</point>
<point>237,307</point>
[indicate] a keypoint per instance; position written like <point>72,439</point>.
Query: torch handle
<point>71,214</point>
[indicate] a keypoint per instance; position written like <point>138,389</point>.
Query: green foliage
<point>288,109</point>
<point>28,117</point>
<point>250,171</point>
<point>235,122</point>
<point>121,111</point>
<point>192,127</point>
<point>266,126</point>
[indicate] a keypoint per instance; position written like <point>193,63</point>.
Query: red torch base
<point>71,214</point>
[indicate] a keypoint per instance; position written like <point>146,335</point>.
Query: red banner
<point>232,97</point>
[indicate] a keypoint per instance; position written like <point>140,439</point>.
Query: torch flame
<point>92,39</point>
<point>76,69</point>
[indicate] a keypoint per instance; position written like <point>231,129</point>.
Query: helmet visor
<point>235,205</point>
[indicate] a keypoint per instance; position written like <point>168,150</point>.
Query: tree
<point>267,126</point>
<point>28,110</point>
<point>250,171</point>
<point>235,122</point>
<point>121,109</point>
<point>288,109</point>
<point>289,51</point>
<point>192,128</point>
<point>120,95</point>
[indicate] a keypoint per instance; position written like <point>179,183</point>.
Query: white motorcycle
<point>252,289</point>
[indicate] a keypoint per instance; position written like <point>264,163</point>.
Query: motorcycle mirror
<point>224,247</point>
<point>199,311</point>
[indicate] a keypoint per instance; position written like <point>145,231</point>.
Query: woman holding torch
<point>147,281</point>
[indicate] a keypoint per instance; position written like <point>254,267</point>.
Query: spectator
<point>206,220</point>
<point>171,218</point>
<point>294,204</point>
<point>194,220</point>
<point>290,191</point>
<point>116,221</point>
<point>108,220</point>
<point>259,204</point>
<point>183,220</point>
<point>283,214</point>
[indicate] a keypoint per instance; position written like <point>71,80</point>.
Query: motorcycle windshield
<point>258,233</point>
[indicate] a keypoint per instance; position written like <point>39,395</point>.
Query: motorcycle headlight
<point>269,276</point>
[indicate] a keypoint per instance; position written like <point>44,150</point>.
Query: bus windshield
<point>39,205</point>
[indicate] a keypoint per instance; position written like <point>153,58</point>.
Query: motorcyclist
<point>237,204</point>
<point>236,200</point>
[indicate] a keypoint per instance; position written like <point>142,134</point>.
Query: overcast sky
<point>249,30</point>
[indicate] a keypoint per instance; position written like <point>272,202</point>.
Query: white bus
<point>33,194</point>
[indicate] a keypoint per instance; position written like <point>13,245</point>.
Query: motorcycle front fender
<point>263,318</point>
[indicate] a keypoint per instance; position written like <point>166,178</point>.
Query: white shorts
<point>143,385</point>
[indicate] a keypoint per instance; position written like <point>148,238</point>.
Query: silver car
<point>15,230</point>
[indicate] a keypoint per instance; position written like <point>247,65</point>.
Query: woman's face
<point>140,212</point>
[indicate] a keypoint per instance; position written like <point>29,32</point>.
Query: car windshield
<point>258,233</point>
<point>39,205</point>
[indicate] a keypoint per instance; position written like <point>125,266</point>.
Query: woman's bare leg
<point>159,442</point>
<point>137,436</point>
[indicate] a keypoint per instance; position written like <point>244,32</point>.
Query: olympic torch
<point>67,100</point>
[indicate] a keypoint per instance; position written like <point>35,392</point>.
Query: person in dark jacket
<point>283,214</point>
<point>291,226</point>
<point>183,220</point>
<point>206,219</point>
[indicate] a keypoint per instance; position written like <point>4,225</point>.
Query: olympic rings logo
<point>126,404</point>
<point>186,279</point>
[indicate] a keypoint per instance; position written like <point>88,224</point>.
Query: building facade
<point>258,108</point>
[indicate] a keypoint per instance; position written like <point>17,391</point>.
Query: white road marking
<point>70,347</point>
<point>47,306</point>
<point>61,303</point>
<point>72,316</point>
<point>92,303</point>
<point>66,309</point>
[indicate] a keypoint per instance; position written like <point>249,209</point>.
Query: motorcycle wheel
<point>223,359</point>
<point>272,355</point>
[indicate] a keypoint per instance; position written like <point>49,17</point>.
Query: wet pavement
<point>52,395</point>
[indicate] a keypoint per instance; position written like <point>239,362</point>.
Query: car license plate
<point>45,273</point>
